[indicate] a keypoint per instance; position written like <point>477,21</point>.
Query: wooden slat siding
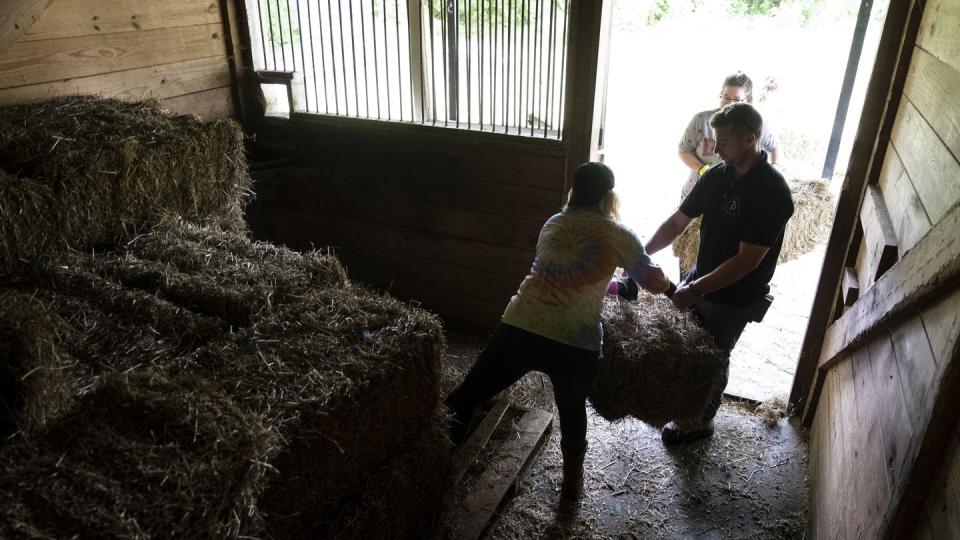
<point>520,202</point>
<point>209,104</point>
<point>941,320</point>
<point>933,169</point>
<point>938,31</point>
<point>155,82</point>
<point>880,101</point>
<point>878,251</point>
<point>895,426</point>
<point>918,369</point>
<point>818,463</point>
<point>873,485</point>
<point>73,18</point>
<point>848,437</point>
<point>922,276</point>
<point>17,17</point>
<point>32,62</point>
<point>932,438</point>
<point>932,87</point>
<point>910,220</point>
<point>943,506</point>
<point>834,463</point>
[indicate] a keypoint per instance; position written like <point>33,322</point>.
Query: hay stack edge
<point>810,224</point>
<point>165,375</point>
<point>658,364</point>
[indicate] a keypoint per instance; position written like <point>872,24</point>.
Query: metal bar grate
<point>486,65</point>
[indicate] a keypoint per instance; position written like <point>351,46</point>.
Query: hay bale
<point>658,364</point>
<point>810,224</point>
<point>33,387</point>
<point>111,167</point>
<point>141,456</point>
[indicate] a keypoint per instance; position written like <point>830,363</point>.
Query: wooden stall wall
<point>885,453</point>
<point>171,50</point>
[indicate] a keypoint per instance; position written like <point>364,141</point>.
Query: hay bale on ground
<point>658,364</point>
<point>111,167</point>
<point>142,456</point>
<point>810,224</point>
<point>33,387</point>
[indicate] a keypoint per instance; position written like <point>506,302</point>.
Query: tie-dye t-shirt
<point>577,254</point>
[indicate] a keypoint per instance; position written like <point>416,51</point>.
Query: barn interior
<point>249,246</point>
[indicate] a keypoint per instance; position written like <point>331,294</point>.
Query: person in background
<point>553,323</point>
<point>745,204</point>
<point>697,149</point>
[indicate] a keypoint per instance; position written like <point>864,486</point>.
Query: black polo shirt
<point>754,209</point>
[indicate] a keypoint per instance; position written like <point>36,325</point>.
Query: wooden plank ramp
<point>474,512</point>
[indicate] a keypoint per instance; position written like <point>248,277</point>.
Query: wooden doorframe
<point>873,135</point>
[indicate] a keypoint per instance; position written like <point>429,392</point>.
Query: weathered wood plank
<point>464,456</point>
<point>895,428</point>
<point>851,286</point>
<point>939,29</point>
<point>32,62</point>
<point>910,220</point>
<point>17,17</point>
<point>215,103</point>
<point>934,171</point>
<point>941,320</point>
<point>73,18</point>
<point>481,503</point>
<point>155,82</point>
<point>923,274</point>
<point>932,87</point>
<point>918,369</point>
<point>873,485</point>
<point>848,505</point>
<point>943,505</point>
<point>879,249</point>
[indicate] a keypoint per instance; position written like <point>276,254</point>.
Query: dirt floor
<point>748,481</point>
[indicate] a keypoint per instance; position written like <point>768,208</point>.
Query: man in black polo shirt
<point>745,204</point>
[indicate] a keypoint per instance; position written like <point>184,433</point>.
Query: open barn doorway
<point>668,60</point>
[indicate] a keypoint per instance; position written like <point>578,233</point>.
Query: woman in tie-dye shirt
<point>552,324</point>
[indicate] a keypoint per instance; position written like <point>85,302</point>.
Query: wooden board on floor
<point>516,453</point>
<point>468,452</point>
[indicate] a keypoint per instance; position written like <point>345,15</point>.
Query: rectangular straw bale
<point>33,386</point>
<point>658,364</point>
<point>810,224</point>
<point>114,167</point>
<point>142,456</point>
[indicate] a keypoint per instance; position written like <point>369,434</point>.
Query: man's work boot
<point>675,434</point>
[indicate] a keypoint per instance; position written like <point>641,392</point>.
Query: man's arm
<point>746,260</point>
<point>690,159</point>
<point>668,231</point>
<point>773,156</point>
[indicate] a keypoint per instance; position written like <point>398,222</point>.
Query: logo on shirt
<point>732,207</point>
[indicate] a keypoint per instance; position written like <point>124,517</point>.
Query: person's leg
<point>500,364</point>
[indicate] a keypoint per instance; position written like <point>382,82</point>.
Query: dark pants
<point>510,354</point>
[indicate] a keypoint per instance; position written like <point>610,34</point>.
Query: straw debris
<point>810,224</point>
<point>658,364</point>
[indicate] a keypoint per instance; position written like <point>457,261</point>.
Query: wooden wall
<point>171,50</point>
<point>885,451</point>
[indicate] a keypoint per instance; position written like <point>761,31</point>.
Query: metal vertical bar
<point>551,62</point>
<point>481,54</point>
<point>453,57</point>
<point>363,41</point>
<point>283,53</point>
<point>376,56</point>
<point>323,61</point>
<point>423,105</point>
<point>396,13</point>
<point>303,59</point>
<point>522,51</point>
<point>510,65</point>
<point>343,60</point>
<point>413,114</point>
<point>313,60</point>
<point>293,55</point>
<point>386,58</point>
<point>353,57</point>
<point>535,89</point>
<point>333,62</point>
<point>466,6</point>
<point>433,69</point>
<point>273,49</point>
<point>530,58</point>
<point>491,20</point>
<point>263,38</point>
<point>563,68</point>
<point>443,50</point>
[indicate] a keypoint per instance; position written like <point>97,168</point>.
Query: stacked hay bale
<point>658,364</point>
<point>809,226</point>
<point>342,382</point>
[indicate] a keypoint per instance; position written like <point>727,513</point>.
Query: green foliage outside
<point>803,11</point>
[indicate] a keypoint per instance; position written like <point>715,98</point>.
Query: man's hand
<point>684,298</point>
